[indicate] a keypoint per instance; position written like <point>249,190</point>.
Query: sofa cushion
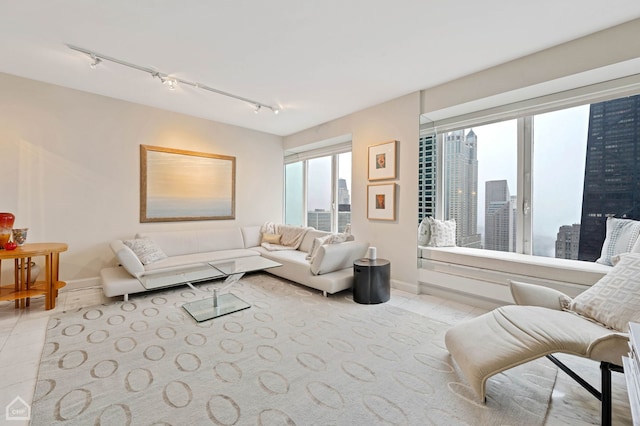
<point>146,250</point>
<point>311,235</point>
<point>317,242</point>
<point>127,258</point>
<point>334,257</point>
<point>251,236</point>
<point>176,243</point>
<point>615,299</point>
<point>620,237</point>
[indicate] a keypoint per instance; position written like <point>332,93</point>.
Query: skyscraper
<point>568,241</point>
<point>426,177</point>
<point>343,193</point>
<point>612,170</point>
<point>498,216</point>
<point>461,185</point>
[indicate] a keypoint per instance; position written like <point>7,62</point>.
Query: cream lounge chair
<point>594,325</point>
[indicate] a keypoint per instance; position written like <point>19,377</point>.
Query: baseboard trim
<point>405,286</point>
<point>82,283</point>
<point>461,297</point>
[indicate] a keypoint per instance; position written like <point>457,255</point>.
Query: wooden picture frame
<point>179,185</point>
<point>382,161</point>
<point>381,201</point>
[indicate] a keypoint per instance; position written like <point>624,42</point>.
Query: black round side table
<point>371,281</point>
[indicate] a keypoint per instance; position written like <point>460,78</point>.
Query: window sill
<point>575,271</point>
<point>486,273</point>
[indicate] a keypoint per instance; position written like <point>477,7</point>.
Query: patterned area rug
<point>293,358</point>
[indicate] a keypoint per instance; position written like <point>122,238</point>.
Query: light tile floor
<point>22,335</point>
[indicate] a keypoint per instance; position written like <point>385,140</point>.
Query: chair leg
<point>604,396</point>
<point>607,368</point>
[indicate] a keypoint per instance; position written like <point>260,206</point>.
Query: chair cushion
<point>615,299</point>
<point>512,335</point>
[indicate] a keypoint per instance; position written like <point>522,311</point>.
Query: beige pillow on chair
<point>614,300</point>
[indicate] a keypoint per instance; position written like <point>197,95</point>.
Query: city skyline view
<point>560,140</point>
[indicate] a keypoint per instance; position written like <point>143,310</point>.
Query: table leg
<point>27,282</point>
<point>48,282</point>
<point>55,274</point>
<point>16,280</point>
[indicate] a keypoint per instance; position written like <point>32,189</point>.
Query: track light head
<point>95,62</point>
<point>170,82</point>
<point>276,111</point>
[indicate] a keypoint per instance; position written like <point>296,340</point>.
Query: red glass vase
<point>6,225</point>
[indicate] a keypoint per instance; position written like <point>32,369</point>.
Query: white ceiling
<point>317,60</point>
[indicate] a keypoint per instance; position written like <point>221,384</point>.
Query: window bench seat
<point>481,277</point>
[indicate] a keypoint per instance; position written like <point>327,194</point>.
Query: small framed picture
<point>382,161</point>
<point>381,201</point>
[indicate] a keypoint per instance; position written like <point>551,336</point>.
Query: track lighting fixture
<point>171,82</point>
<point>95,62</point>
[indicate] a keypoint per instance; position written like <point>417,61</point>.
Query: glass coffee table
<point>223,304</point>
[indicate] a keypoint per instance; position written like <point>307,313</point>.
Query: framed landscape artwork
<point>382,161</point>
<point>179,185</point>
<point>381,201</point>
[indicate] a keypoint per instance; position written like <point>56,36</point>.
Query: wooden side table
<point>371,281</point>
<point>21,290</point>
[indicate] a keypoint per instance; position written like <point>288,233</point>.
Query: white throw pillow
<point>146,249</point>
<point>424,231</point>
<point>321,241</point>
<point>621,236</point>
<point>443,233</point>
<point>615,299</point>
<point>317,242</point>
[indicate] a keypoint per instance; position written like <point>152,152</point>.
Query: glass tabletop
<point>203,310</point>
<point>191,273</point>
<point>244,264</point>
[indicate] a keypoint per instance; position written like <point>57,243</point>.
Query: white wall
<point>394,120</point>
<point>70,164</point>
<point>605,55</point>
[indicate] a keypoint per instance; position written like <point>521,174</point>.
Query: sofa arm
<point>127,258</point>
<point>536,295</point>
<point>334,257</point>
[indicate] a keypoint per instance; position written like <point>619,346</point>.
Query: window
<point>294,194</point>
<point>559,152</point>
<point>540,184</point>
<point>318,191</point>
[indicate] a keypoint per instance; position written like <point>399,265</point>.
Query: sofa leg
<point>126,297</point>
<point>324,293</point>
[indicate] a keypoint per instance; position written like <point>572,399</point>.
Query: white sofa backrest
<point>177,243</point>
<point>251,236</point>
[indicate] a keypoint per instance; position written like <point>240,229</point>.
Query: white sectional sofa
<point>188,252</point>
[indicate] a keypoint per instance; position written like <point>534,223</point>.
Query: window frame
<point>333,151</point>
<point>523,112</point>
